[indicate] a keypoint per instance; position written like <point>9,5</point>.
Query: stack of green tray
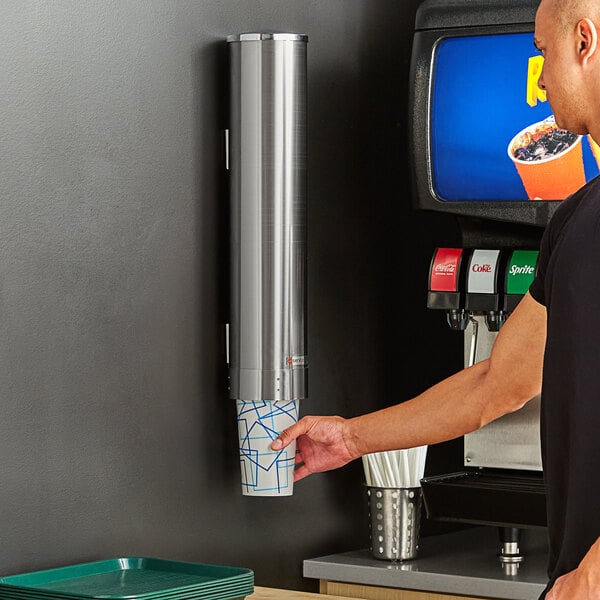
<point>131,579</point>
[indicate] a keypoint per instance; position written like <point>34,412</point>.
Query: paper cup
<point>552,178</point>
<point>266,472</point>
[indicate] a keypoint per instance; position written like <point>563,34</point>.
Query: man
<point>550,343</point>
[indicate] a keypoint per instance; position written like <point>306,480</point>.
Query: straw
<point>367,470</point>
<point>395,468</point>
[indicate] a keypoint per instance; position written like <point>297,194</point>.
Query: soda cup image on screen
<point>549,160</point>
<point>595,149</point>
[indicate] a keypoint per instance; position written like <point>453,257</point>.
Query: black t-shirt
<point>567,283</point>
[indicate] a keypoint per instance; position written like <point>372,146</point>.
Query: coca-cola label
<point>481,277</point>
<point>445,269</point>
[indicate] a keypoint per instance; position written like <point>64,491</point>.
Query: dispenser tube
<point>267,162</point>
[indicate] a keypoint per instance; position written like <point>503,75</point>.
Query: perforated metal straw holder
<point>395,515</point>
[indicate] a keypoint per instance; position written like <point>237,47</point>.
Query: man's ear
<point>587,40</point>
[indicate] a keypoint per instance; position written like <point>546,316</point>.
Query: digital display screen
<point>493,136</point>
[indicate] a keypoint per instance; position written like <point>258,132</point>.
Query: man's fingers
<point>301,472</point>
<point>287,436</point>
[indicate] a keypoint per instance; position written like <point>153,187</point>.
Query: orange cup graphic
<point>549,160</point>
<point>595,149</point>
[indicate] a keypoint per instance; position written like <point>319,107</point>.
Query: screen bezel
<point>425,43</point>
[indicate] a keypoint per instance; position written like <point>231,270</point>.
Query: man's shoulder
<point>591,191</point>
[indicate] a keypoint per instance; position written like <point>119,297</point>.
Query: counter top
<point>465,562</point>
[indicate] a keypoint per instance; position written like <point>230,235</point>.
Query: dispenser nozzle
<point>495,319</point>
<point>457,319</point>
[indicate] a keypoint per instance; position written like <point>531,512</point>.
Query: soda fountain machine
<point>487,154</point>
<point>502,482</point>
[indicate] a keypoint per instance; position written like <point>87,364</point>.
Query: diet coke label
<point>477,268</point>
<point>481,278</point>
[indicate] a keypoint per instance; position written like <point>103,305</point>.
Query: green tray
<point>239,595</point>
<point>132,578</point>
<point>230,593</point>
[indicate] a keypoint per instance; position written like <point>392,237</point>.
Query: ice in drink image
<point>549,160</point>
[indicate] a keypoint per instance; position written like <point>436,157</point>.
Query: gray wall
<point>116,434</point>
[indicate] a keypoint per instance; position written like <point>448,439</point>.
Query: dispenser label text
<point>524,270</point>
<point>482,272</point>
<point>521,271</point>
<point>444,270</point>
<point>296,361</point>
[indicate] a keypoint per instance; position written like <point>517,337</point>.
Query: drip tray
<point>486,498</point>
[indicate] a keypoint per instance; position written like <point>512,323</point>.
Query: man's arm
<point>466,401</point>
<point>582,583</point>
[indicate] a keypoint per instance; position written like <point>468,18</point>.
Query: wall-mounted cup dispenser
<point>267,332</point>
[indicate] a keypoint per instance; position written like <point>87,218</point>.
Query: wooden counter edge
<point>263,593</point>
<point>357,591</point>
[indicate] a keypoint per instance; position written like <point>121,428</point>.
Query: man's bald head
<point>567,33</point>
<point>568,13</point>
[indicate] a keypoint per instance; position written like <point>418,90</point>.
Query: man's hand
<point>572,587</point>
<point>581,584</point>
<point>322,444</point>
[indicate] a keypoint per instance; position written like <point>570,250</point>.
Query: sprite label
<point>521,270</point>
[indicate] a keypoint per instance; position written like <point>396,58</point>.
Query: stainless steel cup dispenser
<point>267,332</point>
<point>267,163</point>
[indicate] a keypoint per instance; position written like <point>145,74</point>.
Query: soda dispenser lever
<point>484,285</point>
<point>520,271</point>
<point>446,286</point>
